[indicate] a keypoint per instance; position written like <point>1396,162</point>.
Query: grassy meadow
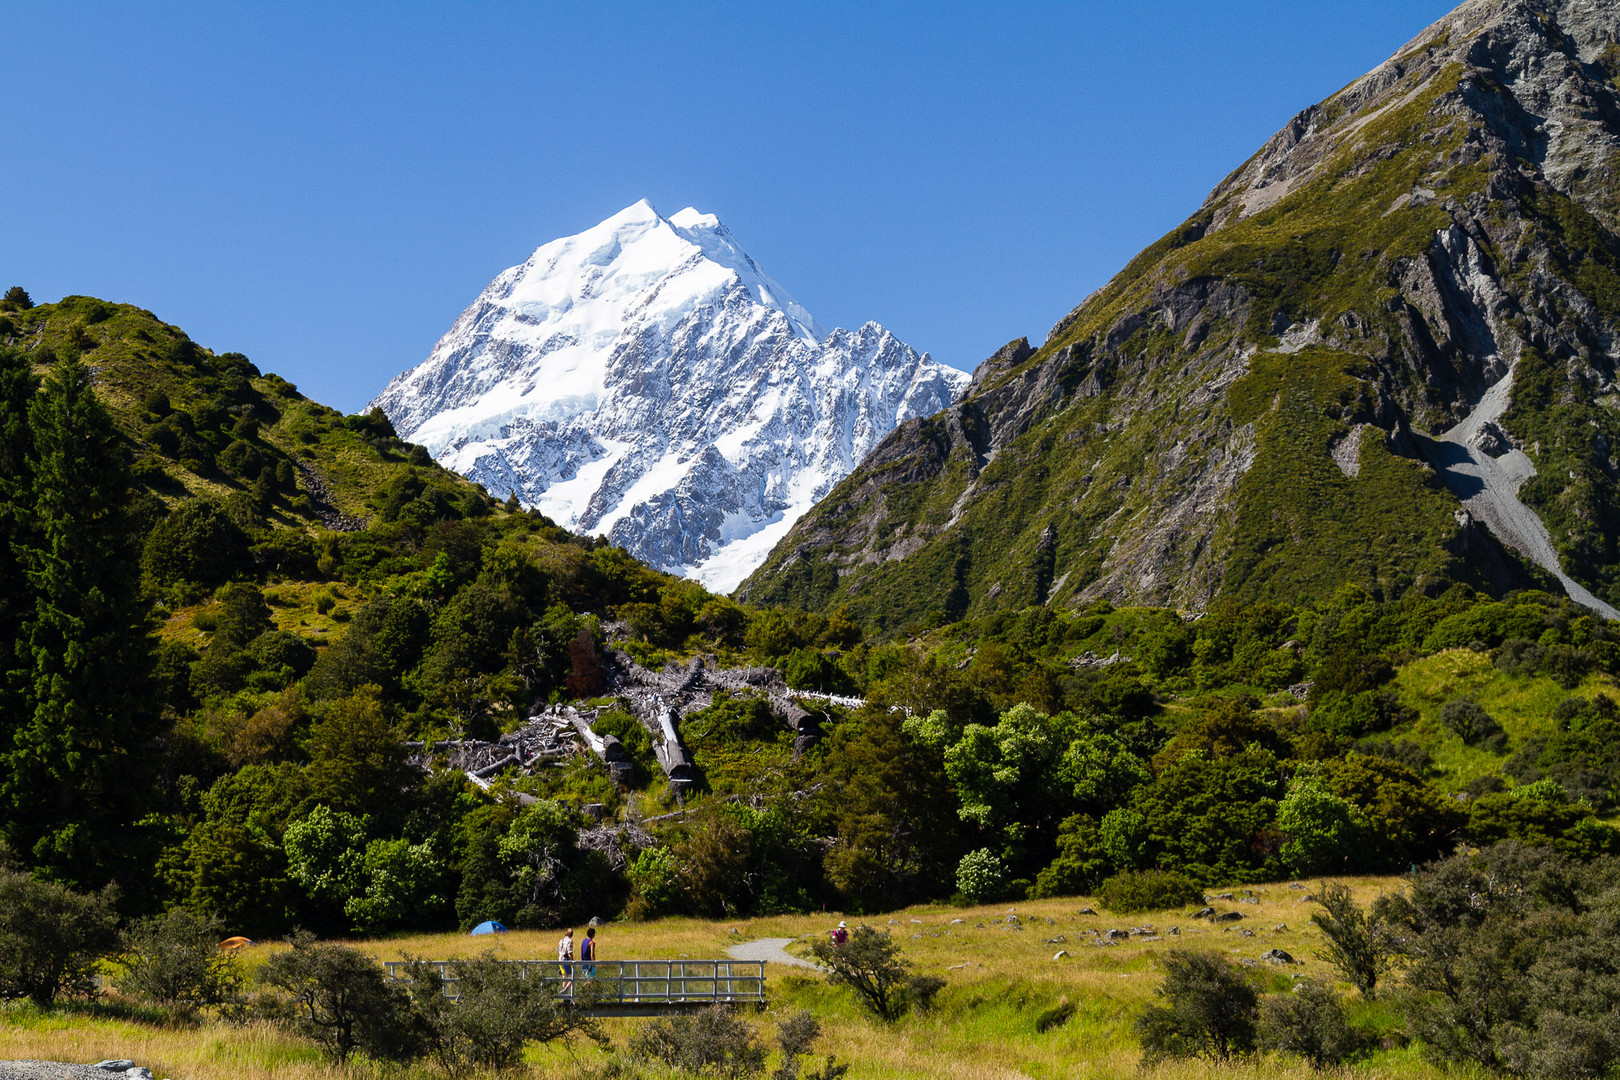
<point>1002,978</point>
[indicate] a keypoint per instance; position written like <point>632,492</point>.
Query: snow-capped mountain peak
<point>647,379</point>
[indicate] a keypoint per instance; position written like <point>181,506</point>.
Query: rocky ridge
<point>1381,354</point>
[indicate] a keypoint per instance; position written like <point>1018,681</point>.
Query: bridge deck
<point>634,987</point>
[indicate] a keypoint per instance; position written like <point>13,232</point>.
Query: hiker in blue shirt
<point>587,953</point>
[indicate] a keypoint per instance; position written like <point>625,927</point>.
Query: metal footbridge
<point>631,987</point>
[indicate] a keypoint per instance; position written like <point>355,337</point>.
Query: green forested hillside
<point>218,701</point>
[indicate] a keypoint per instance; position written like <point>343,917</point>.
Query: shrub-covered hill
<point>1376,355</point>
<point>205,424</point>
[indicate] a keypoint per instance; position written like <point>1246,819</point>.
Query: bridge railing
<point>631,983</point>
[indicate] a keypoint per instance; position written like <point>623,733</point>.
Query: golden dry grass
<point>1000,979</point>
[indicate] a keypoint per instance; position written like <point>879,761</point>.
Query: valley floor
<point>1001,977</point>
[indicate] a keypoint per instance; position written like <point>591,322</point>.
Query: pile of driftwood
<point>657,699</point>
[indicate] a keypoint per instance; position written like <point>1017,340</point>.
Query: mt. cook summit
<point>647,381</point>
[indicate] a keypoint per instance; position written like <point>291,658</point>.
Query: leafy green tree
<point>342,1000</point>
<point>1476,726</point>
<point>356,757</point>
<point>1541,813</point>
<point>18,296</point>
<point>198,542</point>
<point>1010,778</point>
<point>890,806</point>
<point>18,386</point>
<point>1209,817</point>
<point>1081,863</point>
<point>325,854</point>
<point>234,864</point>
<point>242,616</point>
<point>73,778</point>
<point>403,885</point>
<point>1409,819</point>
<point>1323,831</point>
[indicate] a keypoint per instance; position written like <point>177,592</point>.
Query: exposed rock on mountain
<point>647,381</point>
<point>1381,354</point>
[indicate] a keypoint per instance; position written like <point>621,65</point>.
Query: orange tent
<point>235,943</point>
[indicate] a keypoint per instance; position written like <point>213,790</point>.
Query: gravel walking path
<point>771,949</point>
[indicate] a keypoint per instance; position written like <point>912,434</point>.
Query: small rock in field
<point>1060,954</point>
<point>1085,911</point>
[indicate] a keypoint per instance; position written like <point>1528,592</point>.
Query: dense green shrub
<point>1474,725</point>
<point>51,938</point>
<point>174,960</point>
<point>713,1041</point>
<point>1210,1010</point>
<point>496,1012</point>
<point>1131,891</point>
<point>197,542</point>
<point>1509,959</point>
<point>870,964</point>
<point>795,1035</point>
<point>1311,1022</point>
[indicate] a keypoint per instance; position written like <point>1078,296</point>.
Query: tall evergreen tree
<point>76,766</point>
<point>17,388</point>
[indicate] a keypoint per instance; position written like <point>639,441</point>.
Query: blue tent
<point>488,927</point>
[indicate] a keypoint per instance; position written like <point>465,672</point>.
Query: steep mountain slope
<point>645,380</point>
<point>206,424</point>
<point>1381,354</point>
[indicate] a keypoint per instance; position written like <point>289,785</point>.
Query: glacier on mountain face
<point>647,381</point>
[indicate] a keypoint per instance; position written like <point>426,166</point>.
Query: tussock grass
<point>1000,981</point>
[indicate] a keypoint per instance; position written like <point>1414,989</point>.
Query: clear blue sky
<point>325,186</point>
